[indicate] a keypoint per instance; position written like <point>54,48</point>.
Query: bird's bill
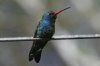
<point>56,13</point>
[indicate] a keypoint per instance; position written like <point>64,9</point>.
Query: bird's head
<point>53,15</point>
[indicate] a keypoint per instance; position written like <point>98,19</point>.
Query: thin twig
<point>89,36</point>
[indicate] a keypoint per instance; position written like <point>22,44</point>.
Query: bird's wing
<point>36,30</point>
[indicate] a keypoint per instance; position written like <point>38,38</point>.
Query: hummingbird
<point>45,29</point>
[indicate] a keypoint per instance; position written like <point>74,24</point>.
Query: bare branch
<point>89,36</point>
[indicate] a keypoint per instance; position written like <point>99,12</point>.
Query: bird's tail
<point>35,54</point>
<point>38,56</point>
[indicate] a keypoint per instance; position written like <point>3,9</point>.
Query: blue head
<point>51,16</point>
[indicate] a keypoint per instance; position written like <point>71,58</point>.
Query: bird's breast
<point>46,31</point>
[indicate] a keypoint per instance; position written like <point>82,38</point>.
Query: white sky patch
<point>83,5</point>
<point>31,5</point>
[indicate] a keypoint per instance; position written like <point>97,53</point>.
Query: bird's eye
<point>50,14</point>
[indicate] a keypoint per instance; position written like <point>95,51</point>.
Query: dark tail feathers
<point>36,55</point>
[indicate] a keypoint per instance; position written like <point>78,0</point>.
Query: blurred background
<point>19,18</point>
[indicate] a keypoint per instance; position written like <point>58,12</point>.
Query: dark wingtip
<point>31,56</point>
<point>30,59</point>
<point>36,57</point>
<point>37,61</point>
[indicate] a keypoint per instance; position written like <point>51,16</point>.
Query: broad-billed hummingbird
<point>45,29</point>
